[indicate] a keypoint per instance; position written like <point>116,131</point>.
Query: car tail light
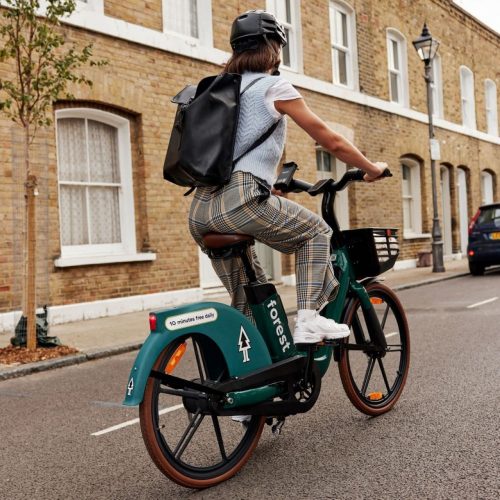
<point>473,221</point>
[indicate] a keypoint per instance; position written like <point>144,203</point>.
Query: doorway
<point>446,210</point>
<point>463,214</point>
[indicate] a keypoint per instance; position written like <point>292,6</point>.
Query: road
<point>440,441</point>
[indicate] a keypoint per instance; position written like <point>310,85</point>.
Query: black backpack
<point>201,147</point>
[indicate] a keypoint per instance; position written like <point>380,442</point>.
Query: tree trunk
<point>30,247</point>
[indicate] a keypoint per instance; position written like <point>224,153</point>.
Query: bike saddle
<point>215,241</point>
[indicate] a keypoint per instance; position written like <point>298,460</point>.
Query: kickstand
<point>276,428</point>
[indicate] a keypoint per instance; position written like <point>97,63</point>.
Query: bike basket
<point>371,250</point>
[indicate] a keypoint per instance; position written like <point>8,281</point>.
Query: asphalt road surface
<point>440,441</point>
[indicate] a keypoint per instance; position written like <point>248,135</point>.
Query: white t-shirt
<point>282,90</point>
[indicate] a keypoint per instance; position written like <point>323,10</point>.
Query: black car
<point>484,238</point>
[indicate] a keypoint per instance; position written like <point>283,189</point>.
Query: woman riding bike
<point>248,204</point>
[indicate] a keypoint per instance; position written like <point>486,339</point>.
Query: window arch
<point>467,97</point>
<point>490,101</point>
<point>397,67</point>
<point>96,203</point>
<point>343,43</point>
<point>411,197</point>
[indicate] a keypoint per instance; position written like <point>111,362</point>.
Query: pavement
<point>103,337</point>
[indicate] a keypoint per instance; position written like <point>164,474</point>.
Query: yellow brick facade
<point>142,77</point>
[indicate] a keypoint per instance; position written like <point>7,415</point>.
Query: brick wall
<point>139,82</point>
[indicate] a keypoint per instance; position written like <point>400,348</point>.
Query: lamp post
<point>426,47</point>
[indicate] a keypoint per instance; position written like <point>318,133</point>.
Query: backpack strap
<point>259,141</point>
<point>265,135</point>
<point>250,84</point>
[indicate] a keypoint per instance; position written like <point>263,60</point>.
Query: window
<point>486,187</point>
<point>467,97</point>
<point>92,5</point>
<point>412,221</point>
<point>490,99</point>
<point>95,184</point>
<point>343,42</point>
<point>287,12</point>
<point>327,167</point>
<point>398,74</point>
<point>437,87</point>
<point>189,18</point>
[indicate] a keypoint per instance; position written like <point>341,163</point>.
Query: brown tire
<point>374,382</point>
<point>204,461</point>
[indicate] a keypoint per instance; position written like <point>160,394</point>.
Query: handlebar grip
<point>386,173</point>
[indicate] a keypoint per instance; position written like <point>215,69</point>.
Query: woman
<point>249,205</point>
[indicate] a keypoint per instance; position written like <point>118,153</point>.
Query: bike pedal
<point>333,342</point>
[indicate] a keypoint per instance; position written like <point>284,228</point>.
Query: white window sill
<point>416,236</point>
<point>103,259</point>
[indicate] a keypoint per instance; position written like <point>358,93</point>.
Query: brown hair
<point>260,60</point>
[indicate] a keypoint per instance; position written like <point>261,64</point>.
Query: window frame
<point>294,28</point>
<point>127,246</point>
<point>394,35</point>
<point>352,71</point>
<point>437,87</point>
<point>467,98</point>
<point>491,108</point>
<point>487,187</point>
<point>337,167</point>
<point>205,32</point>
<point>414,228</point>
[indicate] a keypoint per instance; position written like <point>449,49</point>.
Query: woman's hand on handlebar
<point>376,173</point>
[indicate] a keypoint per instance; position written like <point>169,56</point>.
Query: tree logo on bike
<point>244,344</point>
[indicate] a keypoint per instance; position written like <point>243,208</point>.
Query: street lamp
<point>426,47</point>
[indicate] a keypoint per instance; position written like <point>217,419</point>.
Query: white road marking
<point>134,421</point>
<point>477,304</point>
<point>391,334</point>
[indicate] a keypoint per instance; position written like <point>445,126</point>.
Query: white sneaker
<point>244,419</point>
<point>311,328</point>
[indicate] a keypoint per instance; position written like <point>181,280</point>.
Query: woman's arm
<point>335,143</point>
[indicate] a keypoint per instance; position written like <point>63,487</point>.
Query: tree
<point>44,67</point>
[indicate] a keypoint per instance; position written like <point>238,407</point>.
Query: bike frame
<point>219,325</point>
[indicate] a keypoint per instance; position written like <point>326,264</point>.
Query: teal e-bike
<point>203,364</point>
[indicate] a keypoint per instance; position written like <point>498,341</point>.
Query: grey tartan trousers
<point>246,206</point>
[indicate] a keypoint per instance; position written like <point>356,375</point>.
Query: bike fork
<point>374,328</point>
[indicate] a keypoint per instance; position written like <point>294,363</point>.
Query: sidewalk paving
<point>98,338</point>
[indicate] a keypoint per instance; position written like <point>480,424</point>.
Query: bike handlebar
<point>286,183</point>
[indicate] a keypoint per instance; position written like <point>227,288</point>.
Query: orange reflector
<point>176,357</point>
<point>375,396</point>
<point>376,300</point>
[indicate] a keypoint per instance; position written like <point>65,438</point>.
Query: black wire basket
<point>372,250</point>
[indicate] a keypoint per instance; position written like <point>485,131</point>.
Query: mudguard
<point>240,343</point>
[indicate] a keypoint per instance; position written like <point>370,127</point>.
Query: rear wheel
<point>374,381</point>
<point>476,269</point>
<point>194,448</point>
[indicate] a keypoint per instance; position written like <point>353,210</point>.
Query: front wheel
<point>374,380</point>
<point>193,447</point>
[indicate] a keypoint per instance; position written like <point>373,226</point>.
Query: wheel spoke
<point>188,434</point>
<point>368,375</point>
<point>382,369</point>
<point>199,362</point>
<point>386,312</point>
<point>218,433</point>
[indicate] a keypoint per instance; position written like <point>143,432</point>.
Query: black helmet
<point>250,27</point>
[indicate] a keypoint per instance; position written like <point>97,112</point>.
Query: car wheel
<point>476,269</point>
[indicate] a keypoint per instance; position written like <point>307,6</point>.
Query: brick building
<point>113,234</point>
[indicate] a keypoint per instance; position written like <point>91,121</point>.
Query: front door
<point>462,209</point>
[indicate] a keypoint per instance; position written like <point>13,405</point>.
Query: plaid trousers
<point>246,206</point>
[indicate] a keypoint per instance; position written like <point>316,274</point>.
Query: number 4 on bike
<point>207,379</point>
